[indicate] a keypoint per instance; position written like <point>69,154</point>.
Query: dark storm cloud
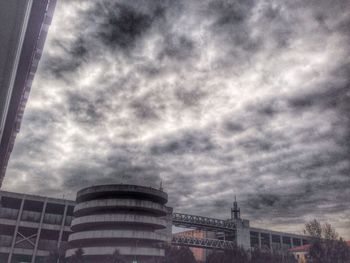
<point>71,58</point>
<point>177,47</point>
<point>122,25</point>
<point>214,98</point>
<point>144,111</point>
<point>84,110</point>
<point>190,97</point>
<point>230,12</point>
<point>188,142</point>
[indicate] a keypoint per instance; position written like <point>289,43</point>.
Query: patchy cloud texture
<point>215,98</point>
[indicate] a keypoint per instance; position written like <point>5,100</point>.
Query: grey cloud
<point>61,65</point>
<point>177,47</point>
<point>190,97</point>
<point>84,110</point>
<point>188,142</point>
<point>215,98</point>
<point>231,12</point>
<point>122,25</point>
<point>144,111</point>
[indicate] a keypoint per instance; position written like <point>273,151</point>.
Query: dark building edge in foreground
<point>22,57</point>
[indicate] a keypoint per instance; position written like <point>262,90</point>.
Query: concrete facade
<point>128,218</point>
<point>275,240</point>
<point>32,226</point>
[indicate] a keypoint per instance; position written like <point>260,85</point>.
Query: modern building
<point>32,226</point>
<point>23,28</point>
<point>131,219</point>
<point>123,218</point>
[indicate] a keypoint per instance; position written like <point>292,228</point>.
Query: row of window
<point>35,206</point>
<point>265,240</point>
<point>10,213</point>
<point>47,234</point>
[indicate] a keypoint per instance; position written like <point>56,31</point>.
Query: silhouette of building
<point>23,28</point>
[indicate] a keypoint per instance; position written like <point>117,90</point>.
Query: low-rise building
<point>32,226</point>
<point>301,252</point>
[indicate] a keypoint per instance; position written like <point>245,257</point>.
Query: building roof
<point>23,30</point>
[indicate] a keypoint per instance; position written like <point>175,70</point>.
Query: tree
<point>242,256</point>
<point>52,257</point>
<point>313,229</point>
<point>261,256</point>
<point>117,257</point>
<point>185,255</point>
<point>55,256</point>
<point>178,255</point>
<point>329,232</point>
<point>216,257</point>
<point>325,245</point>
<point>228,256</point>
<point>237,254</point>
<point>78,256</point>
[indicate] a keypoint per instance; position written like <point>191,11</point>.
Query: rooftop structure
<point>23,28</point>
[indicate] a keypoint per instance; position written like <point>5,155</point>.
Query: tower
<point>235,211</point>
<point>130,219</point>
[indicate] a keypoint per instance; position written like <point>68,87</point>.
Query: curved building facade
<point>128,218</point>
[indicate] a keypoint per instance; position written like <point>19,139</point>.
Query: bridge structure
<point>231,233</point>
<point>206,224</point>
<point>203,242</point>
<point>203,223</point>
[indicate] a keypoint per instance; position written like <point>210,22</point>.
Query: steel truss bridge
<point>203,223</point>
<point>203,242</point>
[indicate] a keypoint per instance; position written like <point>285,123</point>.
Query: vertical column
<point>39,231</point>
<point>16,231</point>
<point>281,242</point>
<point>291,242</point>
<point>301,241</point>
<point>62,226</point>
<point>259,237</point>
<point>270,241</point>
<point>63,223</point>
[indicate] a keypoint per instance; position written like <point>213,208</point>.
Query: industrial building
<point>23,29</point>
<point>230,232</point>
<point>131,219</point>
<point>119,217</point>
<point>32,226</point>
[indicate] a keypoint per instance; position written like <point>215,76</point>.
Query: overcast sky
<point>214,98</point>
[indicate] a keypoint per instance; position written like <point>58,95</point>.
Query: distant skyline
<point>213,98</point>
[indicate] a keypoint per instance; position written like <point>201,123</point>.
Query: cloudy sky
<point>214,98</point>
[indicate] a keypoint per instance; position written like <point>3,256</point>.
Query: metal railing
<point>201,222</point>
<point>189,241</point>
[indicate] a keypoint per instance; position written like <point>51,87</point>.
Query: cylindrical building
<point>126,218</point>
